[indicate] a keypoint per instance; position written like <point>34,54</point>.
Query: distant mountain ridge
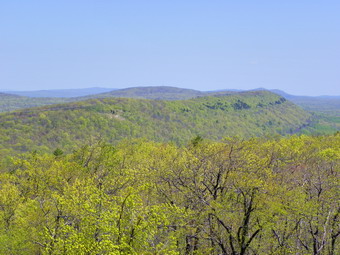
<point>324,104</point>
<point>244,114</point>
<point>3,95</point>
<point>60,92</point>
<point>140,91</point>
<point>152,92</point>
<point>10,102</point>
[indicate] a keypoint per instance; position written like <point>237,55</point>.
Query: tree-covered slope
<point>65,125</point>
<point>320,105</point>
<point>9,102</point>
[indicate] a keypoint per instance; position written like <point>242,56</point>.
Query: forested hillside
<point>208,175</point>
<point>256,196</point>
<point>245,114</point>
<point>9,102</point>
<point>326,106</point>
<point>26,99</point>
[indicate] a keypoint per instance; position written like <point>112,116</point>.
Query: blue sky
<point>292,45</point>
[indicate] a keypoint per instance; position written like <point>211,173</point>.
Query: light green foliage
<point>255,196</point>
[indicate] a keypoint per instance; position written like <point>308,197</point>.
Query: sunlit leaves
<point>256,196</point>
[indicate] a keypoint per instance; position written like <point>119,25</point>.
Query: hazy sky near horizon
<point>206,45</point>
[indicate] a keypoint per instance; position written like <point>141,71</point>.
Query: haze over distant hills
<point>325,104</point>
<point>60,92</point>
<point>10,100</point>
<point>156,92</point>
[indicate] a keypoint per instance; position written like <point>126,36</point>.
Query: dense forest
<point>26,99</point>
<point>234,174</point>
<point>324,119</point>
<point>69,125</point>
<point>236,196</point>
